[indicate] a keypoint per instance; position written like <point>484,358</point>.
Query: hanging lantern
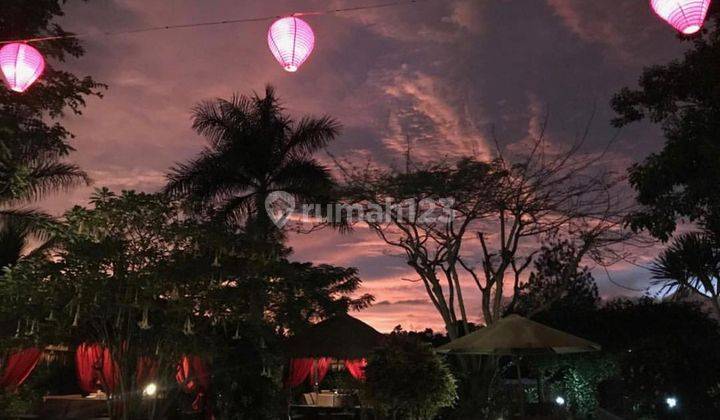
<point>291,41</point>
<point>21,65</point>
<point>687,16</point>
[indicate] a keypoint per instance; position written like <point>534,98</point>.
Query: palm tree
<point>254,149</point>
<point>29,169</point>
<point>691,263</point>
<point>17,229</point>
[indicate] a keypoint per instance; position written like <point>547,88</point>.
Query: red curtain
<point>87,364</point>
<point>109,371</point>
<point>18,367</point>
<point>314,370</point>
<point>193,376</point>
<point>356,368</point>
<point>322,365</point>
<point>95,368</point>
<point>298,371</point>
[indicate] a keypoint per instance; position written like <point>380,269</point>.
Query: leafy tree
<point>680,181</point>
<point>661,349</point>
<point>558,286</point>
<point>136,275</point>
<point>254,149</point>
<point>691,263</point>
<point>434,210</point>
<point>650,350</point>
<point>576,378</point>
<point>32,140</point>
<point>406,379</point>
<point>24,117</point>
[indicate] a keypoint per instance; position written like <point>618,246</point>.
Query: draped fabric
<point>356,368</point>
<point>109,371</point>
<point>193,377</point>
<point>314,370</point>
<point>298,371</point>
<point>87,364</point>
<point>322,365</point>
<point>18,367</point>
<point>95,368</point>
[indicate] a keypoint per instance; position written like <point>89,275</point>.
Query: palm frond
<point>46,177</point>
<point>217,120</point>
<point>13,240</point>
<point>692,261</point>
<point>237,210</point>
<point>313,134</point>
<point>208,178</point>
<point>18,227</point>
<point>305,177</point>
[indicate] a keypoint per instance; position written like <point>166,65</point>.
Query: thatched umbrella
<point>340,337</point>
<point>516,336</point>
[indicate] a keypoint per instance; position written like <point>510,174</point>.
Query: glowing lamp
<point>671,402</point>
<point>291,41</point>
<point>560,401</point>
<point>150,390</point>
<point>21,65</point>
<point>687,16</point>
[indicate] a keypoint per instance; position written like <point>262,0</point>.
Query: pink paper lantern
<point>291,41</point>
<point>687,16</point>
<point>21,65</point>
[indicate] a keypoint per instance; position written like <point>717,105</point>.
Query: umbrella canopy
<point>515,335</point>
<point>340,337</point>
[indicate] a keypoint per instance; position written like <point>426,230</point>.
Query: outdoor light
<point>687,16</point>
<point>21,65</point>
<point>560,401</point>
<point>150,389</point>
<point>671,402</point>
<point>291,41</point>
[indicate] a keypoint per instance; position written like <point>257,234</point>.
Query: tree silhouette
<point>32,141</point>
<point>254,149</point>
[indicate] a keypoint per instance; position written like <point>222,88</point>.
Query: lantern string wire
<point>215,23</point>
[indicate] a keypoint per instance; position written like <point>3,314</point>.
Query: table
<point>73,407</point>
<point>327,405</point>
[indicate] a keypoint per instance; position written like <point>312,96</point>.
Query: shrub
<point>407,380</point>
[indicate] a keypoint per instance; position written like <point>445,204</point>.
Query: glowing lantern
<point>21,65</point>
<point>291,41</point>
<point>687,16</point>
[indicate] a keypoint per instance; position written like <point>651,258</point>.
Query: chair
<point>310,398</point>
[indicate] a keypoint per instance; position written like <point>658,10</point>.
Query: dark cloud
<point>402,302</point>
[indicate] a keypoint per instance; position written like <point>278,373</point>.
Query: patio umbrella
<point>515,335</point>
<point>340,337</point>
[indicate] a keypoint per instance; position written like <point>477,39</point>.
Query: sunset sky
<point>444,73</point>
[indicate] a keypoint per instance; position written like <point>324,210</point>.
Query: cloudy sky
<point>444,73</point>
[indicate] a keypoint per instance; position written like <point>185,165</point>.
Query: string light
<point>21,65</point>
<point>217,22</point>
<point>687,16</point>
<point>291,40</point>
<point>291,48</point>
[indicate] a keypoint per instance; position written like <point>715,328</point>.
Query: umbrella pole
<point>316,385</point>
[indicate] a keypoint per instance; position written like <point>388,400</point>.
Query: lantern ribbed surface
<point>687,16</point>
<point>291,40</point>
<point>21,65</point>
